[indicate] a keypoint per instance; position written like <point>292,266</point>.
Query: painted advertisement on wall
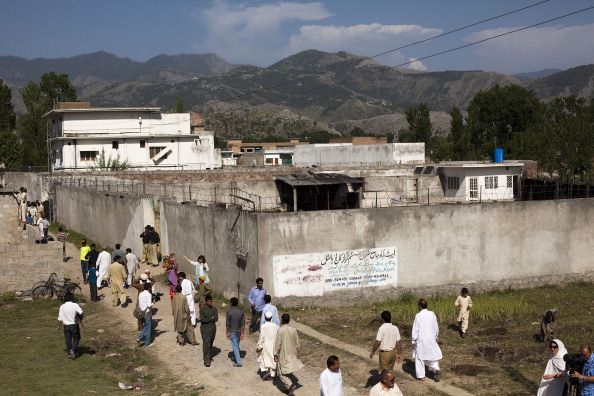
<point>314,274</point>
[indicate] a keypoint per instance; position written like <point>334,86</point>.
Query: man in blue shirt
<point>587,377</point>
<point>269,308</point>
<point>256,299</point>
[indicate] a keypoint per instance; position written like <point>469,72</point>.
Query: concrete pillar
<point>294,199</point>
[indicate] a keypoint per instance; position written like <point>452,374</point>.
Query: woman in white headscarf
<point>554,378</point>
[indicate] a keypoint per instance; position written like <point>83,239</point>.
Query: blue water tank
<point>498,155</point>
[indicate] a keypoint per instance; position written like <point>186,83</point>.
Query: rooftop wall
<point>356,155</point>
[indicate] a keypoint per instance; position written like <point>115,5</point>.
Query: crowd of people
<point>277,346</point>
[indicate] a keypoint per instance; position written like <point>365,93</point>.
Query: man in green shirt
<point>208,328</point>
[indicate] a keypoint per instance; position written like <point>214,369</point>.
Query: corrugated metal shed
<point>317,179</point>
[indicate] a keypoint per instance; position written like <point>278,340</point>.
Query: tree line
<point>23,140</point>
<point>558,134</point>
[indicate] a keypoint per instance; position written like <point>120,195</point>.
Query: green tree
<point>459,139</point>
<point>39,99</point>
<point>179,105</point>
<point>10,150</point>
<point>496,114</point>
<point>7,117</point>
<point>419,122</point>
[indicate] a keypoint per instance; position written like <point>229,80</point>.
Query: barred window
<point>88,156</point>
<point>510,182</point>
<point>491,182</point>
<point>453,183</point>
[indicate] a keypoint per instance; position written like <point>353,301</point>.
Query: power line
<point>462,46</point>
<point>404,46</point>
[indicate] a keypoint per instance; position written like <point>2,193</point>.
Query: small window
<point>155,150</point>
<point>270,160</point>
<point>142,144</point>
<point>115,145</point>
<point>88,156</point>
<point>510,182</point>
<point>453,183</point>
<point>491,182</point>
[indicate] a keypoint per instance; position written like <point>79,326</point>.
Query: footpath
<point>185,363</point>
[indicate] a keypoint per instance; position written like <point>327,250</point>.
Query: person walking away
<point>103,262</point>
<point>145,303</point>
<point>256,299</point>
<point>286,347</point>
<point>92,281</point>
<point>203,290</point>
<point>181,318</point>
<point>62,236</point>
<point>268,307</point>
<point>84,261</point>
<point>426,351</point>
<point>170,266</point>
<point>388,342</point>
<point>386,386</point>
<point>139,285</point>
<point>201,268</point>
<point>265,347</point>
<point>553,380</point>
<point>43,225</point>
<point>331,378</point>
<point>132,265</point>
<point>463,304</point>
<point>188,292</point>
<point>69,315</point>
<point>118,252</point>
<point>116,274</point>
<point>209,316</point>
<point>235,329</point>
<point>145,243</point>
<point>586,378</point>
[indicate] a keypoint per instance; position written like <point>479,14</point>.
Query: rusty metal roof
<point>317,179</point>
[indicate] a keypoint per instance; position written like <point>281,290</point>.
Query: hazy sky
<point>262,32</point>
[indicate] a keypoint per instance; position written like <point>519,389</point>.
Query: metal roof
<point>317,179</point>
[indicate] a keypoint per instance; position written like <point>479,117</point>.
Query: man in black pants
<point>69,315</point>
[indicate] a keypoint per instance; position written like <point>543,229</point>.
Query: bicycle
<point>50,288</point>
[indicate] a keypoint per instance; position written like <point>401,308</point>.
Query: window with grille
<point>510,182</point>
<point>473,188</point>
<point>88,156</point>
<point>155,150</point>
<point>491,182</point>
<point>453,183</point>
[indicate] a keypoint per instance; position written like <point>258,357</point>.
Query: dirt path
<point>186,362</point>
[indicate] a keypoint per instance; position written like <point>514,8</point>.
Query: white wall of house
<point>482,182</point>
<point>85,122</point>
<point>356,155</point>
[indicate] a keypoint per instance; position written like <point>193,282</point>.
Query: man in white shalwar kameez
<point>424,336</point>
<point>265,346</point>
<point>103,262</point>
<point>188,291</point>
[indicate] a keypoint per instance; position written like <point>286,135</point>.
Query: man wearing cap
<point>270,308</point>
<point>256,299</point>
<point>145,243</point>
<point>265,347</point>
<point>235,329</point>
<point>209,317</point>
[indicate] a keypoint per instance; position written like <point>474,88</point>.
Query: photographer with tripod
<point>586,377</point>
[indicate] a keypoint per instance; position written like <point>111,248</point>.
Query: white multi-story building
<point>479,181</point>
<point>144,137</point>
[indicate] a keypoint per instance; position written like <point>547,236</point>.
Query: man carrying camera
<point>586,378</point>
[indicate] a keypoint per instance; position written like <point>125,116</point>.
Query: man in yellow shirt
<point>84,262</point>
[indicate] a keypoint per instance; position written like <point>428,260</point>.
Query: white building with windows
<point>145,137</point>
<point>480,181</point>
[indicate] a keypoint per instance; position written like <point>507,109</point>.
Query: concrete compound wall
<point>441,245</point>
<point>307,155</point>
<point>107,218</point>
<point>487,245</point>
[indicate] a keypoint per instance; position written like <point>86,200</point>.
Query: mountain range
<point>309,90</point>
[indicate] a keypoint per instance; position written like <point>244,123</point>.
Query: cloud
<point>253,34</point>
<point>416,65</point>
<point>534,49</point>
<point>362,39</point>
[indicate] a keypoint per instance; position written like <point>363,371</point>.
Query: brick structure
<point>24,262</point>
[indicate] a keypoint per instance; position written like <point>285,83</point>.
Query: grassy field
<point>73,236</point>
<point>499,356</point>
<point>33,359</point>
